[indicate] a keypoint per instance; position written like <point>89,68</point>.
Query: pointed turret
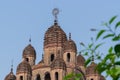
<point>11,75</point>
<point>29,54</point>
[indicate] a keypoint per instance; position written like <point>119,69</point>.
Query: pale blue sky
<point>20,19</point>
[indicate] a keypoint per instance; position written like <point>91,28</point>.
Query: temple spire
<point>55,12</point>
<point>42,56</point>
<point>69,36</point>
<point>30,40</point>
<point>12,66</point>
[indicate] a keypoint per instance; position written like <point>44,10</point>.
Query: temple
<point>59,59</point>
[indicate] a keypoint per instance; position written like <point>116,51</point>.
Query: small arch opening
<point>38,77</point>
<point>56,76</point>
<point>21,77</point>
<point>92,79</point>
<point>52,57</point>
<point>47,76</point>
<point>27,59</point>
<point>68,57</point>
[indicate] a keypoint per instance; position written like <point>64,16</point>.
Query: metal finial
<point>12,66</point>
<point>69,36</point>
<point>55,12</point>
<point>30,40</point>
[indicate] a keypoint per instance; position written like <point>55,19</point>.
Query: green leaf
<point>86,53</point>
<point>77,78</point>
<point>87,61</point>
<point>110,50</point>
<point>117,49</point>
<point>98,57</point>
<point>104,24</point>
<point>72,76</point>
<point>108,56</point>
<point>69,76</point>
<point>101,67</point>
<point>78,75</point>
<point>90,45</point>
<point>112,19</point>
<point>117,25</point>
<point>109,35</point>
<point>115,72</point>
<point>97,46</point>
<point>108,65</point>
<point>82,44</point>
<point>117,63</point>
<point>100,33</point>
<point>116,38</point>
<point>113,59</point>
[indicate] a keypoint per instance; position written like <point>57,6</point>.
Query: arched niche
<point>38,77</point>
<point>47,76</point>
<point>56,76</point>
<point>68,57</point>
<point>52,57</point>
<point>21,77</point>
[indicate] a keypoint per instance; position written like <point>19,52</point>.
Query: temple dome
<point>70,45</point>
<point>10,76</point>
<point>54,36</point>
<point>92,69</point>
<point>29,51</point>
<point>24,67</point>
<point>80,60</point>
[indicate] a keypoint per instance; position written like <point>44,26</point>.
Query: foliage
<point>72,76</point>
<point>91,51</point>
<point>111,63</point>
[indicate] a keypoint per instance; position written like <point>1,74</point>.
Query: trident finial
<point>55,12</point>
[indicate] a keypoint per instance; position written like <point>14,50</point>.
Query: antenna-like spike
<point>12,66</point>
<point>69,36</point>
<point>30,39</point>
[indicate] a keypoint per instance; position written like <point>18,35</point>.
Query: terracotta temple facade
<point>60,58</point>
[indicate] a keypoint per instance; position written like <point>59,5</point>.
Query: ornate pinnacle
<point>30,40</point>
<point>55,12</point>
<point>12,66</point>
<point>69,36</point>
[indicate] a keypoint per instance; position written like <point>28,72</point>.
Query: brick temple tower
<point>59,58</point>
